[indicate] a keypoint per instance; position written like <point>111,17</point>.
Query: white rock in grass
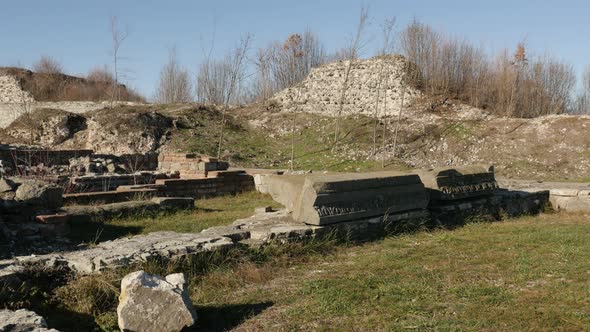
<point>152,303</point>
<point>22,320</point>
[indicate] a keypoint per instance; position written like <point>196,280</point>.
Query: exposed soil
<point>431,133</point>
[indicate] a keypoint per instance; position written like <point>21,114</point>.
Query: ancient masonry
<point>15,102</point>
<point>317,206</point>
<point>321,91</point>
<point>10,91</point>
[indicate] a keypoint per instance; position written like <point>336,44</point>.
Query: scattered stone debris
<point>152,303</point>
<point>22,320</point>
<point>28,211</point>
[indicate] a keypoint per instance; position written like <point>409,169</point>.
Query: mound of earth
<point>61,87</point>
<point>43,127</point>
<point>123,130</point>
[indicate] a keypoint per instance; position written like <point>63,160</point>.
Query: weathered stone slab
<point>462,182</point>
<point>285,189</point>
<point>566,192</point>
<point>569,203</point>
<point>22,320</point>
<point>514,203</point>
<point>328,199</point>
<point>152,303</point>
<point>125,251</point>
<point>85,213</point>
<point>6,185</point>
<point>38,193</point>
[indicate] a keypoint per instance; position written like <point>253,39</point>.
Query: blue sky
<point>76,32</point>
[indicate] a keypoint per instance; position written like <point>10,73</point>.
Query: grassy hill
<point>545,148</point>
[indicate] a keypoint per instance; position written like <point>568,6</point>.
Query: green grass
<point>209,212</point>
<point>528,274</point>
<point>270,147</point>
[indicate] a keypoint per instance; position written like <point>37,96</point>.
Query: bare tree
<point>118,36</point>
<point>352,53</point>
<point>386,48</point>
<point>516,84</point>
<point>582,102</point>
<point>175,83</point>
<point>218,81</point>
<point>397,125</point>
<point>100,75</point>
<point>48,65</point>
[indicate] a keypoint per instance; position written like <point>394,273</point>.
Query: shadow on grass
<point>94,232</point>
<point>226,317</point>
<point>200,209</point>
<point>67,320</point>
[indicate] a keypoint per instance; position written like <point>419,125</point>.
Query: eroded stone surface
<point>37,193</point>
<point>455,183</point>
<point>6,185</point>
<point>327,199</point>
<point>22,320</point>
<point>572,197</point>
<point>152,303</point>
<point>125,251</point>
<point>321,91</point>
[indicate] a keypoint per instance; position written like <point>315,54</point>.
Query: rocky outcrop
<point>124,131</point>
<point>39,194</point>
<point>11,91</point>
<point>152,303</point>
<point>46,127</point>
<point>22,321</point>
<point>28,214</point>
<point>11,111</point>
<point>321,91</point>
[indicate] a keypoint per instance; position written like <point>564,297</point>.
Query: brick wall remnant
<point>189,164</point>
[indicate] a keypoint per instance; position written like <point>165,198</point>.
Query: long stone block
<point>328,199</point>
<point>461,182</point>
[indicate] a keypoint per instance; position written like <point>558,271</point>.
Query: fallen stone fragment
<point>328,199</point>
<point>458,182</point>
<point>6,185</point>
<point>22,320</point>
<point>152,303</point>
<point>37,193</point>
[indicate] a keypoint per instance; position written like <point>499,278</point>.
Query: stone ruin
<point>190,164</point>
<point>150,303</point>
<point>444,196</point>
<point>14,101</point>
<point>359,206</point>
<point>48,190</point>
<point>332,198</point>
<point>11,92</point>
<point>321,91</point>
<point>362,206</point>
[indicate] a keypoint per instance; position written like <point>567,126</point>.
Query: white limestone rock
<point>152,303</point>
<point>22,320</point>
